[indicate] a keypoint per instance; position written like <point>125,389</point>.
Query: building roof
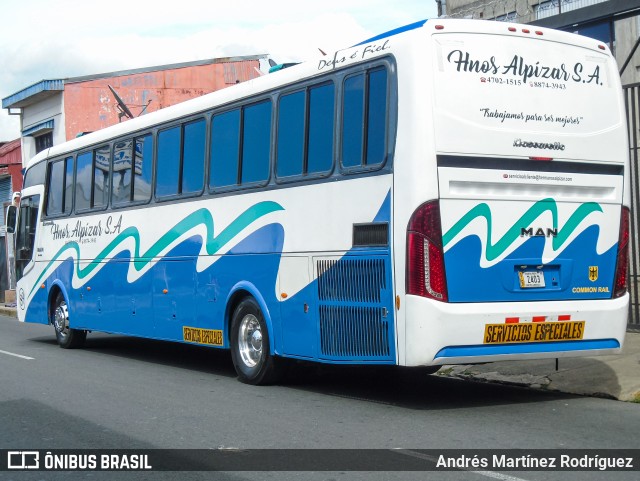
<point>8,148</point>
<point>33,93</point>
<point>46,88</point>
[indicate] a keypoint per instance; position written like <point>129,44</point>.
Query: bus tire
<point>250,350</point>
<point>67,337</point>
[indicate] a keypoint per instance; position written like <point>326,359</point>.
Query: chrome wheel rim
<point>61,319</point>
<point>250,340</point>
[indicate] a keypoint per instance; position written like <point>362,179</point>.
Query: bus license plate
<point>531,279</point>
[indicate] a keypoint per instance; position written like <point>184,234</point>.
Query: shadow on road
<point>411,388</point>
<point>185,356</point>
<point>404,387</point>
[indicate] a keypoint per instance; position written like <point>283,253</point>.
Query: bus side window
<point>291,128</point>
<point>84,173</point>
<point>180,168</point>
<point>60,187</point>
<point>353,121</point>
<point>168,166</point>
<point>121,172</point>
<point>67,195</point>
<point>377,117</point>
<point>305,131</point>
<point>102,161</point>
<point>321,122</point>
<point>143,166</point>
<point>364,113</point>
<point>225,149</point>
<point>256,143</point>
<point>55,188</point>
<point>131,170</point>
<point>193,157</point>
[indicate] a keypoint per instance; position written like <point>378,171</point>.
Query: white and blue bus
<point>453,191</point>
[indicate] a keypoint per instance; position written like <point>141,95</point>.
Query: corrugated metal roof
<point>171,66</point>
<point>9,147</point>
<point>44,86</point>
<point>47,125</point>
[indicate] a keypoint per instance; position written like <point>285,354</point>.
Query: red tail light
<point>425,258</point>
<point>620,281</point>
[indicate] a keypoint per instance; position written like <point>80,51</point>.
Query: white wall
<point>627,31</point>
<point>47,109</point>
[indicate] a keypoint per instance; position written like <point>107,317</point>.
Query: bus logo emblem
<point>593,273</point>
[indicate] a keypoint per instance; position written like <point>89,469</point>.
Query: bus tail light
<point>425,257</point>
<point>620,281</point>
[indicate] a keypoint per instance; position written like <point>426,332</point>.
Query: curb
<point>8,311</point>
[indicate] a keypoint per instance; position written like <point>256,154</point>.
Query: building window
<point>507,17</point>
<point>602,31</point>
<point>44,142</point>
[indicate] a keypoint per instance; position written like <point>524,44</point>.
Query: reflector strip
<point>517,320</point>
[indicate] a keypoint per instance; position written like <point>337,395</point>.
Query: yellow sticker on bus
<point>196,335</point>
<point>533,332</point>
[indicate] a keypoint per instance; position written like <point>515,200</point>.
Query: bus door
<point>26,234</point>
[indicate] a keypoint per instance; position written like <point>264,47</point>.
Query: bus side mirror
<point>12,213</point>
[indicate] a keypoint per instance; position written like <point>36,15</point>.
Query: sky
<point>69,38</point>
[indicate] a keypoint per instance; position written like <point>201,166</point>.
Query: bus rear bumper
<point>439,333</point>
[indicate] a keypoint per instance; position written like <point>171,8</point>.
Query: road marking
<point>494,475</point>
<point>17,355</point>
<point>433,459</point>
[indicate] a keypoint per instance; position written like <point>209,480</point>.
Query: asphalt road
<point>121,392</point>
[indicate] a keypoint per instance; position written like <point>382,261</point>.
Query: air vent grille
<point>351,280</point>
<point>371,235</point>
<point>355,309</point>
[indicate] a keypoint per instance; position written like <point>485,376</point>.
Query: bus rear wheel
<point>250,351</point>
<point>67,337</point>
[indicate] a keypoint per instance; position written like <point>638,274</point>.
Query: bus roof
<point>306,70</point>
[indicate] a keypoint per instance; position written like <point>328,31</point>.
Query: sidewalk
<point>8,311</point>
<point>613,377</point>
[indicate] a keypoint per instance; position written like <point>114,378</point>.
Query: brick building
<point>10,181</point>
<point>56,110</point>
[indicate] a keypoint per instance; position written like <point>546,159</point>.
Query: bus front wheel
<point>250,351</point>
<point>67,337</point>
